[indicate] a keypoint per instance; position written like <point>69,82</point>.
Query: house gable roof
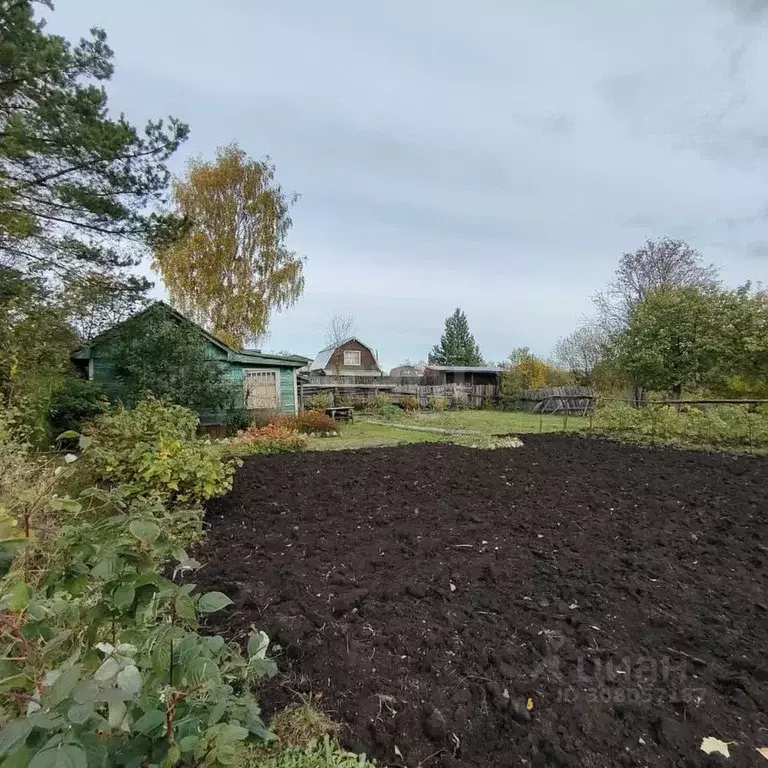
<point>233,355</point>
<point>324,355</point>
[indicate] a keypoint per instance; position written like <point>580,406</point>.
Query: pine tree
<point>78,186</point>
<point>457,345</point>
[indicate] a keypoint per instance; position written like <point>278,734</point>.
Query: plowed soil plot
<point>570,603</point>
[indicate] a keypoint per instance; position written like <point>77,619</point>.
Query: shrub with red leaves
<point>274,438</point>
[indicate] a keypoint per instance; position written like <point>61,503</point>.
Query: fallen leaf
<point>763,751</point>
<point>398,753</point>
<point>710,745</point>
<point>529,704</point>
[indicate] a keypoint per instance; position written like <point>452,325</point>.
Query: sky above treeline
<point>494,155</point>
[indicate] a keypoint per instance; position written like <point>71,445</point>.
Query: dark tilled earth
<point>571,603</point>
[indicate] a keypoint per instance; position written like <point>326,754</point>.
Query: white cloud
<point>495,155</point>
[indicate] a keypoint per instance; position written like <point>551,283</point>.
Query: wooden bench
<point>341,413</point>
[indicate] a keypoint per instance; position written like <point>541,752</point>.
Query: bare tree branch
<point>339,328</point>
<point>581,351</point>
<point>659,265</point>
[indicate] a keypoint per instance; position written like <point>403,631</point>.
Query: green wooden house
<point>268,381</point>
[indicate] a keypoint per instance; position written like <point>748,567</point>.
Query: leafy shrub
<point>157,355</point>
<point>26,479</point>
<point>381,402</point>
<point>460,399</point>
<point>264,417</point>
<point>109,645</point>
<point>311,423</point>
<point>323,753</point>
<point>509,403</point>
<point>410,403</point>
<point>238,419</point>
<point>437,403</point>
<point>722,425</point>
<point>274,438</point>
<point>383,407</point>
<point>74,403</point>
<point>152,452</point>
<point>320,401</point>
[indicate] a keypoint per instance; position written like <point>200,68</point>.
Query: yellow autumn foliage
<point>232,268</point>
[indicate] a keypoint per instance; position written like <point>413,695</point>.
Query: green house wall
<point>102,370</point>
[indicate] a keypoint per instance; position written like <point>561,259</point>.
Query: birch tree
<point>232,270</point>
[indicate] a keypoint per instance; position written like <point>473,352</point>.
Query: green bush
<point>728,426</point>
<point>27,478</point>
<point>237,420</point>
<point>437,403</point>
<point>274,438</point>
<point>383,407</point>
<point>460,399</point>
<point>102,662</point>
<point>74,403</point>
<point>509,403</point>
<point>310,423</point>
<point>156,355</point>
<point>106,644</point>
<point>319,402</point>
<point>320,754</point>
<point>152,452</point>
<point>263,417</point>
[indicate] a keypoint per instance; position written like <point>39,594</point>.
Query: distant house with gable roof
<point>350,358</point>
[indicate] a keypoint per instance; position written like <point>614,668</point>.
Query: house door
<point>261,390</point>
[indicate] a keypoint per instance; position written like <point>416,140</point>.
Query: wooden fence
<point>571,400</point>
<point>453,395</point>
<point>328,381</point>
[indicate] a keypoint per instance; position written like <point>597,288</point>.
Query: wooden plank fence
<point>454,395</point>
<point>327,381</point>
<point>571,400</point>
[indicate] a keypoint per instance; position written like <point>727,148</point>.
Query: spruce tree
<point>457,345</point>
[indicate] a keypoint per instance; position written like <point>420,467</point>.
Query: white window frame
<point>358,356</point>
<point>276,371</point>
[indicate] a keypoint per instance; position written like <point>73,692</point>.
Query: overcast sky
<point>497,155</point>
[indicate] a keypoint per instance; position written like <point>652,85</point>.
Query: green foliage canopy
<point>76,185</point>
<point>160,356</point>
<point>690,337</point>
<point>74,403</point>
<point>103,663</point>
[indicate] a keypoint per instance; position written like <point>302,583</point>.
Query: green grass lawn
<point>364,435</point>
<point>498,422</point>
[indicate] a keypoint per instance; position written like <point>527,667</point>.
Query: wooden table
<point>341,413</point>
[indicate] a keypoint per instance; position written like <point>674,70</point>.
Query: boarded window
<point>262,390</point>
<point>351,357</point>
